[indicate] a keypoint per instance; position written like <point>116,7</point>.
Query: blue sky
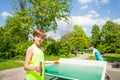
<point>84,13</point>
<point>106,8</point>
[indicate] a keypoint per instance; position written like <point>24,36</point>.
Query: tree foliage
<point>95,38</point>
<point>66,37</point>
<point>29,15</point>
<point>79,39</point>
<point>45,12</point>
<point>59,48</point>
<point>110,36</point>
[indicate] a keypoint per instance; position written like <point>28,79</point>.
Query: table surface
<point>74,71</point>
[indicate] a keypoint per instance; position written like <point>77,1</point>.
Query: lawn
<point>109,57</point>
<point>53,57</point>
<point>8,64</point>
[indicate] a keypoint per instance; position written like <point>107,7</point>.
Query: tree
<point>110,36</point>
<point>29,15</point>
<point>45,12</point>
<point>66,37</point>
<point>64,48</point>
<point>95,38</point>
<point>16,31</point>
<point>2,46</point>
<point>78,39</point>
<point>53,48</point>
<point>117,42</point>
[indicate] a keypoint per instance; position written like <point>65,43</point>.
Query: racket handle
<point>40,68</point>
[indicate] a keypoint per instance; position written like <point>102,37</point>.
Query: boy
<point>96,53</point>
<point>34,60</point>
<point>98,57</point>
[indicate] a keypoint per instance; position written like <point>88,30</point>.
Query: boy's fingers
<point>57,62</point>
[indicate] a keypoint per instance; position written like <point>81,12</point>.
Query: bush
<point>52,49</point>
<point>101,48</point>
<point>58,48</point>
<point>5,55</point>
<point>111,57</point>
<point>20,50</point>
<point>117,51</point>
<point>17,53</point>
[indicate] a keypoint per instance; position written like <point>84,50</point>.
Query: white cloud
<point>5,14</point>
<point>84,1</point>
<point>85,22</point>
<point>92,14</point>
<point>117,21</point>
<point>95,1</point>
<point>84,7</point>
<point>63,27</point>
<point>53,35</point>
<point>105,1</point>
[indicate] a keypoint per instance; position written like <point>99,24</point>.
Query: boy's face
<point>91,47</point>
<point>38,40</point>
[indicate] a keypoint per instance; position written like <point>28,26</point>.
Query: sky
<point>84,13</point>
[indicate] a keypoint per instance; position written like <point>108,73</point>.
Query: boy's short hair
<point>91,45</point>
<point>39,32</point>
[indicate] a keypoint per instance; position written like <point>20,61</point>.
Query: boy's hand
<point>56,62</point>
<point>91,55</point>
<point>38,69</point>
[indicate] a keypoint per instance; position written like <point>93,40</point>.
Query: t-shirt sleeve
<point>93,52</point>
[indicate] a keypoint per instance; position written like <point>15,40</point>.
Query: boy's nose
<point>39,39</point>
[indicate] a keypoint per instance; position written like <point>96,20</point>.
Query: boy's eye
<point>42,37</point>
<point>38,36</point>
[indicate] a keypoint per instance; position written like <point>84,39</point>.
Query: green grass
<point>8,64</point>
<point>91,58</point>
<point>53,57</point>
<point>109,57</point>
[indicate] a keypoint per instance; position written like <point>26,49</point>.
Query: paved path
<point>13,74</point>
<point>80,56</point>
<point>19,73</point>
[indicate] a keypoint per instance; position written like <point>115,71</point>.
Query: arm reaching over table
<point>52,62</point>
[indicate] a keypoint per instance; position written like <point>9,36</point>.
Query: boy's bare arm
<point>28,58</point>
<point>51,62</point>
